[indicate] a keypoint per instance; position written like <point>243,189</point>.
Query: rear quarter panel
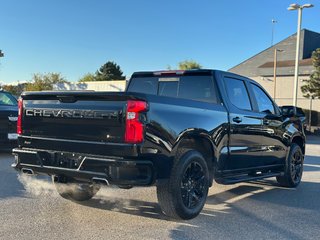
<point>169,120</point>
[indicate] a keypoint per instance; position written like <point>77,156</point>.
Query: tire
<point>76,191</point>
<point>184,194</point>
<point>293,168</point>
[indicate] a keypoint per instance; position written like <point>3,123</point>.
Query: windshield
<point>7,99</point>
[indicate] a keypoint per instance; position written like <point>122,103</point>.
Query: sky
<point>76,37</point>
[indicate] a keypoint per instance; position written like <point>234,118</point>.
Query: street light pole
<point>274,74</point>
<point>1,55</point>
<point>296,67</point>
<point>272,33</point>
<point>296,70</point>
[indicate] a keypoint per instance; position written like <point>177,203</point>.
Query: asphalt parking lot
<point>31,209</point>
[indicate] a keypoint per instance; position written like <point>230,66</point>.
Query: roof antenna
<point>272,34</point>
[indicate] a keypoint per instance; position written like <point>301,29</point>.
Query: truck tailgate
<point>83,116</point>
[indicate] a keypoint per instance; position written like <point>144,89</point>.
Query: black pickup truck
<point>178,130</point>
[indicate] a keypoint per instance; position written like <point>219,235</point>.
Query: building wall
<point>108,86</point>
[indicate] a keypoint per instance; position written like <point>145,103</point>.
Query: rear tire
<point>293,168</point>
<point>184,194</point>
<point>76,191</point>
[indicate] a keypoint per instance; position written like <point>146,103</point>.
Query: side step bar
<point>247,178</point>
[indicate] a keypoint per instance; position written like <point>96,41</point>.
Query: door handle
<point>237,119</point>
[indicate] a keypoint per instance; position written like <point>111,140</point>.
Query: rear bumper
<point>116,171</point>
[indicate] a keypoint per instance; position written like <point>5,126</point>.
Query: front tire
<point>184,194</point>
<point>293,168</point>
<point>76,191</point>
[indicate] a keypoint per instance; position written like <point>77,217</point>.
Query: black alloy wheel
<point>193,185</point>
<point>296,166</point>
<point>293,170</point>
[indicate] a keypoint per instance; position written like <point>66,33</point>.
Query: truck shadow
<point>222,203</point>
<point>248,210</point>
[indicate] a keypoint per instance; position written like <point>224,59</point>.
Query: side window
<point>237,93</point>
<point>264,102</point>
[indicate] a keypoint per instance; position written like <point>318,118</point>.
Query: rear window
<point>168,87</point>
<point>200,88</point>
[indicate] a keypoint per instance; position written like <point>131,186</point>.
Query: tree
<point>109,71</point>
<point>15,90</point>
<point>42,82</point>
<point>89,77</point>
<point>312,86</point>
<point>189,64</point>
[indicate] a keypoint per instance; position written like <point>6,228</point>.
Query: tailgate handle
<point>67,99</point>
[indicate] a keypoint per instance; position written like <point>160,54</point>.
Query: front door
<point>273,150</point>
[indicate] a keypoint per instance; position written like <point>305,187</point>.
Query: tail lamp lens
<point>134,128</point>
<point>20,112</point>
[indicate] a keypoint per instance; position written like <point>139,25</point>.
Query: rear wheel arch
<point>201,144</point>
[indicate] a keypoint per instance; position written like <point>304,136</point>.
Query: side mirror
<point>287,112</point>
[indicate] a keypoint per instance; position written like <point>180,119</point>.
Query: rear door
<point>245,125</point>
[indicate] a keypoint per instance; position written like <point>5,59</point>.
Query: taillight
<point>134,128</point>
<point>20,112</point>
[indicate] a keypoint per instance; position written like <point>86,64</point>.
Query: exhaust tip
<point>100,180</point>
<point>27,171</point>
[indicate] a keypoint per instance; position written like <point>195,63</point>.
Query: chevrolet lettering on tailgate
<point>59,113</point>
